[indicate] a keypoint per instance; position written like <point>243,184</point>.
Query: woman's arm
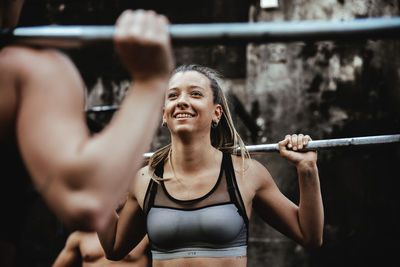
<point>125,230</point>
<point>303,223</point>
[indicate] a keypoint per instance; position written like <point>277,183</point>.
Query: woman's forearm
<point>107,234</point>
<point>311,214</point>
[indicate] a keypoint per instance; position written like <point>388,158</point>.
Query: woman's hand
<point>143,44</point>
<point>290,148</point>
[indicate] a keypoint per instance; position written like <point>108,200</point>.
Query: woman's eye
<point>196,93</point>
<point>172,95</point>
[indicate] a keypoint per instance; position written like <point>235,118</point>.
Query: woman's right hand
<point>291,149</point>
<point>143,44</point>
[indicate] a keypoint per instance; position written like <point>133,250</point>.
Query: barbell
<point>225,33</point>
<point>323,144</point>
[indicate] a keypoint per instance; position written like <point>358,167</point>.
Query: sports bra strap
<point>152,189</point>
<point>233,187</point>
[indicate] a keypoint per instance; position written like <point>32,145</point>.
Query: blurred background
<point>327,89</point>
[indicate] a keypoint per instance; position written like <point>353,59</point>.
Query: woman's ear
<point>217,113</point>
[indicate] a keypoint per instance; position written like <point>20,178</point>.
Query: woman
<point>196,198</point>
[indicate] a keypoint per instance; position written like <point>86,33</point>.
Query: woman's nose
<point>182,101</point>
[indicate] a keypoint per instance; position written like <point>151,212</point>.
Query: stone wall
<point>326,89</point>
<point>330,90</point>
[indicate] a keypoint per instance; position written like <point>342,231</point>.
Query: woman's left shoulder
<point>250,170</point>
<point>249,164</point>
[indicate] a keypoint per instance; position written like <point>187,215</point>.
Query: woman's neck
<point>190,156</point>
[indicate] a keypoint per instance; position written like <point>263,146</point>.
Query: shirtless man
<point>84,249</point>
<point>44,139</point>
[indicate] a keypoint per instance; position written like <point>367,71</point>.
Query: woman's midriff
<point>239,261</point>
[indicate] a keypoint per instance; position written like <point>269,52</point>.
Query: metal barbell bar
<point>324,144</point>
<point>111,108</point>
<point>285,31</point>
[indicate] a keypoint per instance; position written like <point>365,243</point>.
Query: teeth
<point>183,116</point>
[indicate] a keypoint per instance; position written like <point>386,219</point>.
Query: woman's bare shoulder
<point>144,175</point>
<point>141,182</point>
<point>251,171</point>
<point>248,164</point>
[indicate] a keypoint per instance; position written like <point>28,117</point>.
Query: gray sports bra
<point>215,225</point>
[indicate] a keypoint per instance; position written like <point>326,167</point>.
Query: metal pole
<point>285,31</point>
<point>324,144</point>
<point>102,108</point>
<point>331,143</point>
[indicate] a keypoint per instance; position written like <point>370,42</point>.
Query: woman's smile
<point>183,116</point>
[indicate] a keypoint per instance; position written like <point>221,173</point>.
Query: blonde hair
<point>224,137</point>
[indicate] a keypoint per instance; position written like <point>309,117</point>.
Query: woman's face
<point>189,105</point>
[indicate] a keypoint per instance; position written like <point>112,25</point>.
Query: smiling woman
<point>195,197</point>
<point>190,93</point>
